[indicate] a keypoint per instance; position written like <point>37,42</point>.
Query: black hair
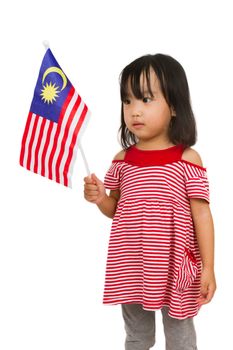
<point>175,89</point>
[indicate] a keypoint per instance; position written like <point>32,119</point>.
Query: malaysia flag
<point>54,125</point>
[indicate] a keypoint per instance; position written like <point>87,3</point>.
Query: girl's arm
<point>109,203</point>
<point>204,229</point>
<point>95,192</point>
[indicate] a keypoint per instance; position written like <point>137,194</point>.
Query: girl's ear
<point>173,112</point>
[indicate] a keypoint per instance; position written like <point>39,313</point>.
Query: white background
<point>53,244</point>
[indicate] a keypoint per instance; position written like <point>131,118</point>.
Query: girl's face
<point>148,118</point>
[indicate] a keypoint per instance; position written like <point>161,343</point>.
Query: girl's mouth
<point>137,125</point>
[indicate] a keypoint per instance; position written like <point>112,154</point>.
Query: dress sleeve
<point>196,182</point>
<point>112,178</point>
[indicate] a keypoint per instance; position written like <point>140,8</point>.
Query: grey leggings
<point>140,329</point>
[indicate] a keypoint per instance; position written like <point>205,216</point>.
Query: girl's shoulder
<point>120,155</point>
<point>191,155</point>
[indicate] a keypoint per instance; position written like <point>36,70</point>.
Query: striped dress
<point>153,256</point>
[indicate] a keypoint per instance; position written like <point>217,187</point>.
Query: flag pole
<point>47,46</point>
<point>84,159</point>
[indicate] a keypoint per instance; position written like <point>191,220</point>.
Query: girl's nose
<point>137,113</point>
<point>136,110</point>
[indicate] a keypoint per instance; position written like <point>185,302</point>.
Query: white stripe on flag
<point>68,142</point>
<point>51,142</point>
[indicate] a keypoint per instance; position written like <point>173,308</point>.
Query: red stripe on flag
<point>61,117</point>
<point>38,144</point>
<point>46,145</point>
<point>31,141</point>
<point>25,134</point>
<point>65,136</point>
<point>73,142</point>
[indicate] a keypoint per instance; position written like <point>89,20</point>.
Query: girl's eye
<point>146,99</point>
<point>126,102</point>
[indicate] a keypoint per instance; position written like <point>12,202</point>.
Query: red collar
<point>140,157</point>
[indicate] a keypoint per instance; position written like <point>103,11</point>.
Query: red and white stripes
<point>153,256</point>
<point>49,148</point>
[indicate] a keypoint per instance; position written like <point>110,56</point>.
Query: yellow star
<point>49,92</point>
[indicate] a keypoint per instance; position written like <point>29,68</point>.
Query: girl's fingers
<point>210,295</point>
<point>90,198</point>
<point>88,180</point>
<point>205,298</point>
<point>91,187</point>
<point>92,193</point>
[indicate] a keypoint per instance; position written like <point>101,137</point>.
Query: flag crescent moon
<point>56,70</point>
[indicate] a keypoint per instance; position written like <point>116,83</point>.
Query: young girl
<point>161,248</point>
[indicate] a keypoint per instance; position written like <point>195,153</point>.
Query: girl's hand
<point>94,190</point>
<point>208,286</point>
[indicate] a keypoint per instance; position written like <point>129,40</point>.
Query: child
<point>161,248</point>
